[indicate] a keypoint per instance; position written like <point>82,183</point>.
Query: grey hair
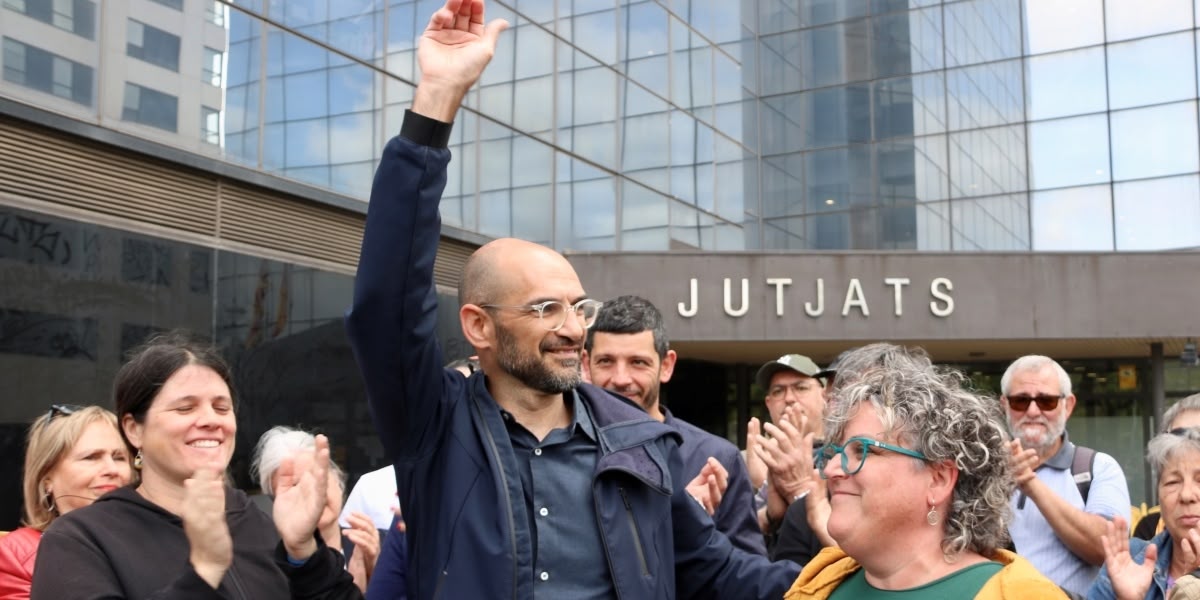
<point>1188,404</point>
<point>856,361</point>
<point>279,443</point>
<point>1036,362</point>
<point>929,409</point>
<point>1165,445</point>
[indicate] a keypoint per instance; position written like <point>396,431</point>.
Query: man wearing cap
<point>794,385</point>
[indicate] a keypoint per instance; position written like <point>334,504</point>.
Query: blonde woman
<point>73,456</point>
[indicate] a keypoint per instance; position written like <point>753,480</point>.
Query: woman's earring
<point>932,516</point>
<point>137,460</point>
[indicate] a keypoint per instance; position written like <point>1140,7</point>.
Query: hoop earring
<point>137,460</point>
<point>48,502</point>
<point>932,516</point>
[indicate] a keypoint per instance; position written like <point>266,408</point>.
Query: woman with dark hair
<point>182,532</point>
<point>73,455</point>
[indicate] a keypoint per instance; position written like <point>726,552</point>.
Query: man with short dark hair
<point>627,352</point>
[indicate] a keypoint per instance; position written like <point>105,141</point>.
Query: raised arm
<point>392,321</point>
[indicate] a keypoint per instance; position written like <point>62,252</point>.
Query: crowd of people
<point>548,466</point>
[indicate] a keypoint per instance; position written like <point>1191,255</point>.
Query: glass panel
<point>987,161</point>
<point>994,223</point>
<point>150,107</point>
<point>835,54</point>
<point>691,229</point>
<point>933,226</point>
<point>783,124</point>
<point>585,215</point>
<point>1136,18</point>
<point>1149,142</point>
<point>906,42</point>
<point>75,16</point>
<point>1151,71</point>
<point>213,72</point>
<point>838,179</point>
<point>783,185</point>
<point>912,171</point>
<point>779,63</point>
<point>910,106</point>
<point>1067,83</point>
<point>152,45</point>
<point>40,70</point>
<point>595,34</point>
<point>1067,152</point>
<point>985,95</point>
<point>1159,214</point>
<point>1052,25</point>
<point>837,116</point>
<point>644,219</point>
<point>982,31</point>
<point>1076,219</point>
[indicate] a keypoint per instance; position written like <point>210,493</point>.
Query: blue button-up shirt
<point>556,476</point>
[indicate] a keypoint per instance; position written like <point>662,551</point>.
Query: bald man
<point>519,481</point>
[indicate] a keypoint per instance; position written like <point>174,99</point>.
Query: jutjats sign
<point>860,296</point>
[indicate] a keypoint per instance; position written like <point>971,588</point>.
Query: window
<point>210,125</point>
<point>216,13</point>
<point>175,4</point>
<point>150,107</point>
<point>76,16</point>
<point>214,67</point>
<point>152,45</point>
<point>38,69</point>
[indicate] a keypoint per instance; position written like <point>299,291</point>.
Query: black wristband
<point>425,131</point>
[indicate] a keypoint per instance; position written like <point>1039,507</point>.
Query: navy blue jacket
<point>388,580</point>
<point>457,474</point>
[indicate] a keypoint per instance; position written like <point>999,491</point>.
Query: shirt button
<point>537,452</point>
<point>544,576</point>
<point>545,511</point>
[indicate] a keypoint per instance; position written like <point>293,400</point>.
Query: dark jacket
<point>388,581</point>
<point>456,469</point>
<point>735,517</point>
<point>123,546</point>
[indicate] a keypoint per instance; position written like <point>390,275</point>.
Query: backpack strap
<point>1081,468</point>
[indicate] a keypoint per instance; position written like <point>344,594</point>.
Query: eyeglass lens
<point>1044,401</point>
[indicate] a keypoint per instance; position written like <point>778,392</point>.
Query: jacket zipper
<point>637,538</point>
<point>236,583</point>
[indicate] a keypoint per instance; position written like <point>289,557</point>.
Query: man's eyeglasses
<point>1045,402</point>
<point>799,388</point>
<point>61,410</point>
<point>553,313</point>
<point>854,454</point>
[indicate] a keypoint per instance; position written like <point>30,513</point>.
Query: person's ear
<point>133,431</point>
<point>668,366</point>
<point>943,478</point>
<point>586,366</point>
<point>477,326</point>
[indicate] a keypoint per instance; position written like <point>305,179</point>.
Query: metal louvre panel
<point>289,225</point>
<point>452,256</point>
<point>46,167</point>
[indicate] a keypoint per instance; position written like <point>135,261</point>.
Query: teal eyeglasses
<point>854,453</point>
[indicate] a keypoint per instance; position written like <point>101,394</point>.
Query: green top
<point>964,583</point>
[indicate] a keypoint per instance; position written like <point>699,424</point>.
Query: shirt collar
<point>583,417</point>
<point>1063,458</point>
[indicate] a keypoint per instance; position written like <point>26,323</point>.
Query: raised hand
<point>788,454</point>
<point>1023,463</point>
<point>300,497</point>
<point>756,469</point>
<point>708,487</point>
<point>365,537</point>
<point>1130,581</point>
<point>204,524</point>
<point>452,54</point>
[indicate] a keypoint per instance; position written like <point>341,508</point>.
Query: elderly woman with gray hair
<point>919,481</point>
<point>280,443</point>
<point>1136,569</point>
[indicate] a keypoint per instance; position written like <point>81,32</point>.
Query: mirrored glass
<point>883,6</point>
<point>987,161</point>
<point>837,116</point>
<point>403,30</point>
<point>985,95</point>
<point>645,218</point>
<point>775,16</point>
<point>783,185</point>
<point>1066,83</point>
<point>585,207</point>
<point>1158,214</point>
<point>838,179</point>
<point>982,31</point>
<point>992,223</point>
<point>1152,70</point>
<point>594,33</point>
<point>690,228</point>
<point>643,25</point>
<point>820,12</point>
<point>534,52</point>
<point>1068,152</point>
<point>835,54</point>
<point>784,123</point>
<point>529,100</point>
<point>912,171</point>
<point>906,42</point>
<point>1073,219</point>
<point>1128,19</point>
<point>908,106</point>
<point>1155,141</point>
<point>933,226</point>
<point>779,63</point>
<point>1052,25</point>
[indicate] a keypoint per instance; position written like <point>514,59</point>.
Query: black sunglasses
<point>1045,402</point>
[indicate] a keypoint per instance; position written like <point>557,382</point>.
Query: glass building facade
<point>654,125</point>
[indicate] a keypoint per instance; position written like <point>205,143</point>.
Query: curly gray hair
<point>929,409</point>
<point>1164,446</point>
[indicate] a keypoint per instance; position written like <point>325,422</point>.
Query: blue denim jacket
<point>1102,588</point>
